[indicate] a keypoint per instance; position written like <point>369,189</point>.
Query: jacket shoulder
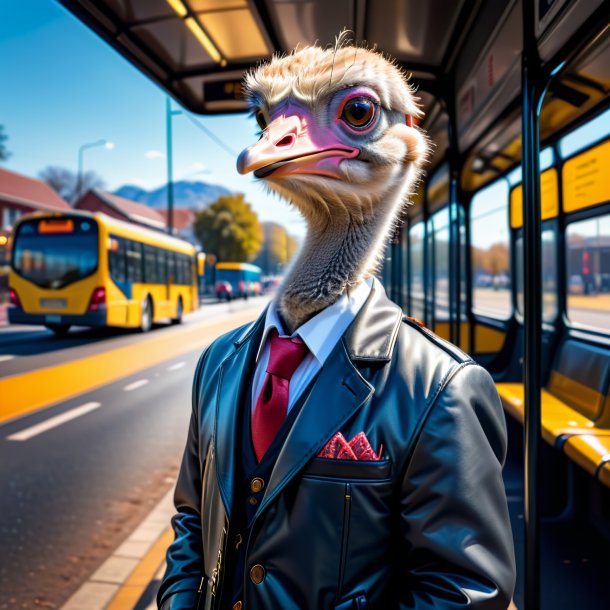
<point>416,334</point>
<point>224,345</point>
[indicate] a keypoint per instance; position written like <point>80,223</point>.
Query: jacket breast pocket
<point>349,469</point>
<point>352,499</point>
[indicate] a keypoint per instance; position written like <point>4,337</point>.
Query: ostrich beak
<point>286,148</point>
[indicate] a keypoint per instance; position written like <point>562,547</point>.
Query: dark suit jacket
<point>426,527</point>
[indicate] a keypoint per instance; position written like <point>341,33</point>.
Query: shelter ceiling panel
<point>560,29</point>
<point>174,43</point>
<point>595,66</point>
<point>300,22</point>
<point>156,69</point>
<point>236,33</point>
<point>135,11</point>
<point>494,79</point>
<point>413,30</point>
<point>216,5</point>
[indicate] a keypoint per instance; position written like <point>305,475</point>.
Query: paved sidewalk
<point>129,578</point>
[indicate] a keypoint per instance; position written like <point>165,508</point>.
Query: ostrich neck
<point>331,259</point>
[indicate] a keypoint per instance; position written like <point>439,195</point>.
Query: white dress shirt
<point>321,333</point>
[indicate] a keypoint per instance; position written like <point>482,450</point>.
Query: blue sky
<point>62,86</point>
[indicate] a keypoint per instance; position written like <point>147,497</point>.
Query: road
<point>71,490</point>
<point>589,311</point>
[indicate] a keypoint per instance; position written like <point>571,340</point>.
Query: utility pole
<point>170,170</point>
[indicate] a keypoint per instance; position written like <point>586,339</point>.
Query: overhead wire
<point>210,134</point>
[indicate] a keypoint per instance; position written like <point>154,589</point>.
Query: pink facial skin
<point>288,146</point>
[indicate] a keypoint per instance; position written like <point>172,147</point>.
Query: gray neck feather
<point>332,258</point>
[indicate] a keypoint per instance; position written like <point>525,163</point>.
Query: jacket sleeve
<point>455,527</point>
<point>182,580</point>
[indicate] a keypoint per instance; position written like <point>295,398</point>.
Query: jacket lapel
<point>337,393</point>
<point>234,384</point>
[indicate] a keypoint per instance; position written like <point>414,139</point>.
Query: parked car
<point>224,291</point>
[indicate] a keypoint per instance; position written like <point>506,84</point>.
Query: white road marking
<point>135,385</point>
<point>6,357</point>
<point>175,367</point>
<point>53,422</point>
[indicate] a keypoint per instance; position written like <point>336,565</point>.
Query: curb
<point>126,580</point>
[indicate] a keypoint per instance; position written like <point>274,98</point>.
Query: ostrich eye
<point>260,119</point>
<point>358,112</point>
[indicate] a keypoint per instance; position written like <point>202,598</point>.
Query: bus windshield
<point>53,254</point>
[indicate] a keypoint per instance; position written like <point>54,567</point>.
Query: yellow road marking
<point>128,595</point>
<point>22,394</point>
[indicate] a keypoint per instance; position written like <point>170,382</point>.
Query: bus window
<point>181,275</point>
<point>171,267</point>
<point>416,261</point>
<point>440,223</point>
<point>549,274</point>
<point>490,251</point>
<point>162,266</point>
<point>134,261</point>
<point>593,131</point>
<point>150,265</point>
<point>116,259</point>
<point>588,272</point>
<point>54,255</point>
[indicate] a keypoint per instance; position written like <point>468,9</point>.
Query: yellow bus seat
<point>575,406</point>
<point>591,452</point>
<point>558,419</point>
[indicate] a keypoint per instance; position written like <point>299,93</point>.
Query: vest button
<point>256,485</point>
<point>257,574</point>
<point>238,605</point>
<point>252,500</point>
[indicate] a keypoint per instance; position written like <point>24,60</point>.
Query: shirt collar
<point>322,332</point>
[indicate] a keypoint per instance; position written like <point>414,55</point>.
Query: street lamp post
<point>169,114</point>
<point>81,150</point>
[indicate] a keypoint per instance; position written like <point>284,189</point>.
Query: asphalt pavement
<point>76,478</point>
<point>26,348</point>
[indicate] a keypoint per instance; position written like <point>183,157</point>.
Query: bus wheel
<point>179,312</point>
<point>60,330</point>
<point>146,316</point>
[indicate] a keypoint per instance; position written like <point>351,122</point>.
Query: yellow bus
<point>93,270</point>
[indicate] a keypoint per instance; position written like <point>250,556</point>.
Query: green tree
<point>278,248</point>
<point>230,229</point>
<point>4,152</point>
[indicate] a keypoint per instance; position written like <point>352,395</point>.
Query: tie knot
<point>285,355</point>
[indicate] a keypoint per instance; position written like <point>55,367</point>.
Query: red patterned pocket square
<point>358,448</point>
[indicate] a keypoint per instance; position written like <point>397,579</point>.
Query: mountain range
<point>192,195</point>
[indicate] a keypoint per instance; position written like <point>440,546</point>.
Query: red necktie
<point>285,355</point>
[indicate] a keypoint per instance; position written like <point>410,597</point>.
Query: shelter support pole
<point>531,90</point>
<point>455,250</point>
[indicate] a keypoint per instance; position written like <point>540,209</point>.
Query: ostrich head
<point>339,142</point>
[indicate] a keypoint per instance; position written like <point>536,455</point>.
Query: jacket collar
<point>370,338</point>
<point>372,335</point>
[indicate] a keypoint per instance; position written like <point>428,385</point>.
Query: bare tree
<point>65,182</point>
<point>4,152</point>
